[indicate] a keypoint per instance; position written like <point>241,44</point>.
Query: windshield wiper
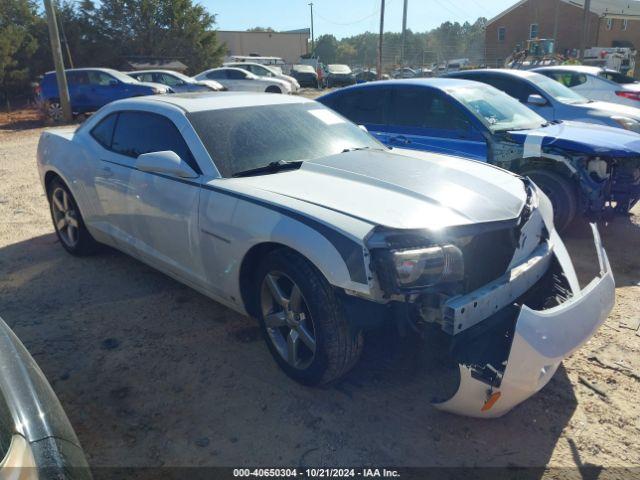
<point>272,167</point>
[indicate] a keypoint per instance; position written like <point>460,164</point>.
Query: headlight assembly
<point>627,123</point>
<point>424,267</point>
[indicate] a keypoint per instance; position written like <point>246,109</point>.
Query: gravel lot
<point>152,373</point>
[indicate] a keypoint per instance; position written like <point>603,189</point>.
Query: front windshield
<point>244,138</point>
<point>497,110</point>
<point>557,90</point>
<point>121,76</point>
<point>181,76</point>
<point>617,77</point>
<point>339,69</point>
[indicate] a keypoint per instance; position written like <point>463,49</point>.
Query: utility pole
<point>313,42</point>
<point>66,44</point>
<point>585,28</point>
<point>56,50</point>
<point>404,32</point>
<point>555,23</point>
<point>380,40</point>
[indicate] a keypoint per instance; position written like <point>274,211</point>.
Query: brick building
<point>612,23</point>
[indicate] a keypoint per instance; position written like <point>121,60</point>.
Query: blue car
<point>552,100</point>
<point>92,88</point>
<point>581,167</point>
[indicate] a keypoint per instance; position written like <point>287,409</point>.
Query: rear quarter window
<point>103,131</point>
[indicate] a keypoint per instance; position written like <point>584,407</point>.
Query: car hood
<point>401,189</point>
<point>587,138</point>
<point>607,109</point>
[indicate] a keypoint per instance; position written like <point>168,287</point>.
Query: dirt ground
<point>152,373</point>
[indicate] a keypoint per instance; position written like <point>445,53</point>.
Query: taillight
<point>629,95</point>
<point>37,90</point>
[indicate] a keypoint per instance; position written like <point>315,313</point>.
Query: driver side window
<point>236,75</point>
<point>135,133</point>
<point>425,109</point>
<point>100,78</point>
<point>169,80</point>
<point>217,75</point>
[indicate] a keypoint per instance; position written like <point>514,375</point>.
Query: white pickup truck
<point>281,209</point>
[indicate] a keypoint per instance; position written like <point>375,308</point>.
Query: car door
<point>155,215</point>
<point>221,77</point>
<point>366,107</point>
<point>426,119</point>
<point>99,90</point>
<point>597,88</point>
<point>239,80</point>
<point>79,90</point>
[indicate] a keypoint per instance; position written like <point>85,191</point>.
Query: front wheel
<point>561,193</point>
<point>53,111</point>
<point>303,321</point>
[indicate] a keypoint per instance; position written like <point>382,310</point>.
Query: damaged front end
<point>511,303</point>
<point>606,180</point>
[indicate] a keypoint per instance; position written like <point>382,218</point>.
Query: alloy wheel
<point>54,111</point>
<point>287,320</point>
<point>65,217</point>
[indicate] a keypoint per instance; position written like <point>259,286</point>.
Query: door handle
<point>107,172</point>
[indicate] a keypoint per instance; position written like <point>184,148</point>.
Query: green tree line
<point>448,41</point>
<point>102,34</point>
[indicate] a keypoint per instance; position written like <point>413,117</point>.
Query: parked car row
<point>92,88</point>
<point>582,168</point>
<point>284,210</point>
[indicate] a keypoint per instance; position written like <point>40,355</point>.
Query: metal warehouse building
<point>286,45</point>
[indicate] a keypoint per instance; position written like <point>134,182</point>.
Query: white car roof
<point>235,64</point>
<point>571,68</point>
<point>197,102</point>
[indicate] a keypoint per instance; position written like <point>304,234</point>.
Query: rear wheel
<point>273,89</point>
<point>561,193</point>
<point>303,321</point>
<point>67,221</point>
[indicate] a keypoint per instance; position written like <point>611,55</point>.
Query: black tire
<point>84,243</point>
<point>273,89</point>
<point>561,193</point>
<point>337,346</point>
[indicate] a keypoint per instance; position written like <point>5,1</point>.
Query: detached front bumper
<point>541,340</point>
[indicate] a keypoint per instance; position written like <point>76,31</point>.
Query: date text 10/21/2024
<point>317,472</point>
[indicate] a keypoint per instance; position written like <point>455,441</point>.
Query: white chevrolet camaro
<point>281,209</point>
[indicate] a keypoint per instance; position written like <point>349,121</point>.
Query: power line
<point>360,20</point>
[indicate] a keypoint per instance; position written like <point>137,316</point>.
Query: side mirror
<point>537,100</point>
<point>113,83</point>
<point>166,162</point>
<point>363,128</point>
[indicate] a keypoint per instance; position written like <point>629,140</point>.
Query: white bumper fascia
<point>542,339</point>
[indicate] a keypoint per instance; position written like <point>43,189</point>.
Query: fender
<point>232,223</point>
